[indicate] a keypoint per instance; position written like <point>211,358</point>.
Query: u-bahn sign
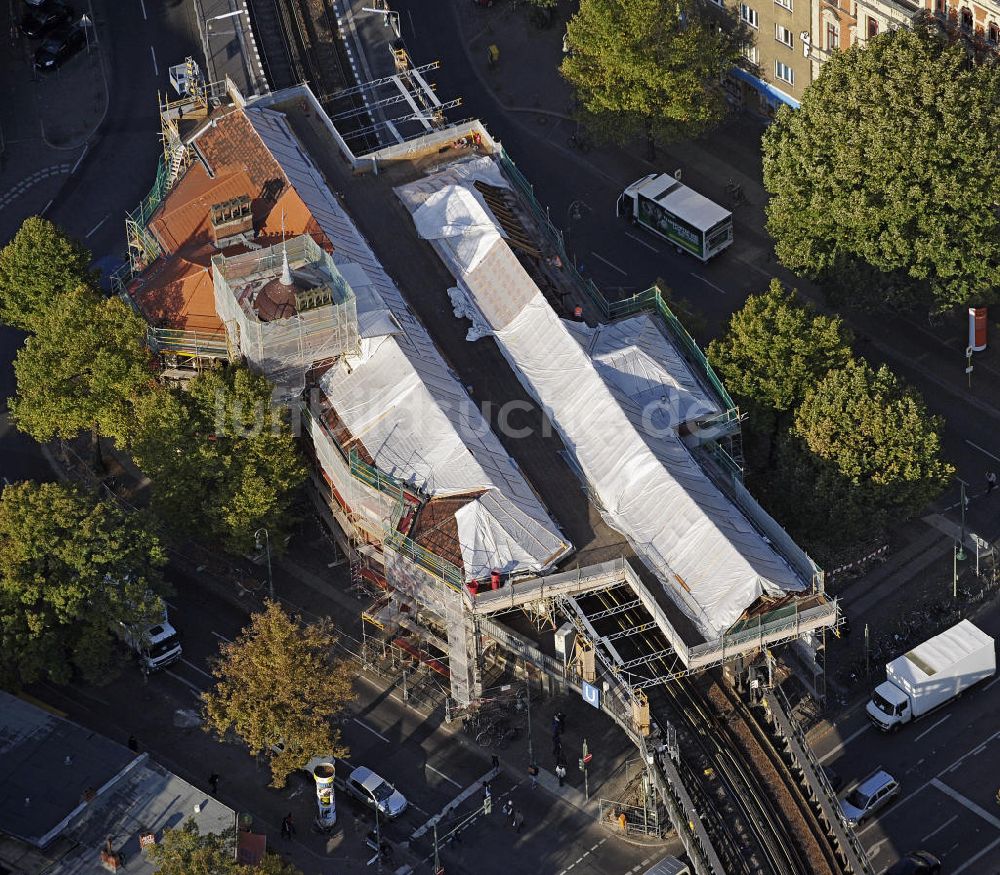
<point>591,695</point>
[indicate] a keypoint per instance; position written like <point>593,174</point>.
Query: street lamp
<point>267,546</point>
<point>963,501</point>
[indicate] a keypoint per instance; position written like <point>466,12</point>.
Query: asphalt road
<point>948,766</point>
<point>422,758</point>
<point>140,39</point>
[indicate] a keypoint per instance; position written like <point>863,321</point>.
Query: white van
<point>669,866</point>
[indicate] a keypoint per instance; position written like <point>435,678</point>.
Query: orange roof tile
<point>176,291</point>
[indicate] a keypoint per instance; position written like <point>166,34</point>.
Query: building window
<point>783,35</point>
<point>784,72</point>
<point>966,18</point>
<point>872,27</point>
<point>832,37</point>
<point>786,3</point>
<point>939,7</point>
<point>993,33</point>
<point>751,53</point>
<point>748,15</point>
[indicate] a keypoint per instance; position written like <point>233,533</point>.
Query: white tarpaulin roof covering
<point>712,562</point>
<point>405,405</point>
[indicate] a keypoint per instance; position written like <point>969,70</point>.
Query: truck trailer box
<point>943,666</point>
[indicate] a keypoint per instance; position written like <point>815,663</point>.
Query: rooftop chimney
<point>231,221</point>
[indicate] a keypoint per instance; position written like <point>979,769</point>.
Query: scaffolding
<point>323,326</point>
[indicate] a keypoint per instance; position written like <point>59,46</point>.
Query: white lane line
<point>143,7</point>
<point>609,264</point>
<point>442,775</point>
<point>223,637</point>
<point>374,732</point>
<point>990,684</point>
<point>184,681</point>
<point>844,743</point>
<point>78,160</point>
<point>156,67</point>
<point>932,728</point>
<point>944,825</point>
<point>46,207</point>
<point>708,282</point>
<point>982,853</point>
<point>200,671</point>
<point>968,803</point>
<point>642,242</point>
<point>98,225</point>
<point>984,452</point>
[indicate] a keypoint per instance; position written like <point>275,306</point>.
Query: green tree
<point>279,681</point>
<point>222,458</point>
<point>650,67</point>
<point>776,348</point>
<point>69,566</point>
<point>184,850</point>
<point>82,369</point>
<point>38,265</point>
<point>885,164</point>
<point>877,436</point>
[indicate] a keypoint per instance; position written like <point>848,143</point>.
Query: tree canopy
<point>184,850</point>
<point>776,348</point>
<point>222,458</point>
<point>69,565</point>
<point>83,368</point>
<point>37,266</point>
<point>650,67</point>
<point>279,681</point>
<point>883,176</point>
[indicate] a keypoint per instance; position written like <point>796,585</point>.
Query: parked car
<point>914,863</point>
<point>60,47</point>
<point>376,792</point>
<point>868,797</point>
<point>43,19</point>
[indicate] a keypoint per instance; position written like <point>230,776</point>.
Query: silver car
<point>376,792</point>
<point>868,797</point>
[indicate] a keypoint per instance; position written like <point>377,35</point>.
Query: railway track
<point>754,809</point>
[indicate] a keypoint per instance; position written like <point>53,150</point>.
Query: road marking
<point>45,209</point>
<point>191,665</point>
<point>982,853</point>
<point>844,743</point>
<point>374,732</point>
<point>968,803</point>
<point>609,264</point>
<point>156,67</point>
<point>587,854</point>
<point>642,242</point>
<point>985,452</point>
<point>442,775</point>
<point>184,681</point>
<point>944,825</point>
<point>932,728</point>
<point>698,276</point>
<point>98,225</point>
<point>223,637</point>
<point>143,7</point>
<point>990,684</point>
<point>78,160</point>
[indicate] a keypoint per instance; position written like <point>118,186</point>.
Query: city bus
<point>690,221</point>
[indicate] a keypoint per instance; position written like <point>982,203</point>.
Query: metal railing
<point>449,574</point>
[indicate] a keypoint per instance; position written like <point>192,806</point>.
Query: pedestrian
<point>561,773</point>
<point>287,827</point>
<point>518,821</point>
<point>991,481</point>
<point>561,720</point>
<point>486,792</point>
<point>213,782</point>
<point>495,762</point>
<point>133,744</point>
<point>556,746</point>
<point>508,809</point>
<point>533,772</point>
<point>556,728</point>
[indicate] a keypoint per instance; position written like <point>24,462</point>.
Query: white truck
<point>155,645</point>
<point>932,674</point>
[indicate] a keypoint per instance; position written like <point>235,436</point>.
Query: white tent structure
<point>711,561</point>
<point>399,398</point>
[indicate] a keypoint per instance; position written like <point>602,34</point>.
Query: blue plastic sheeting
<point>773,95</point>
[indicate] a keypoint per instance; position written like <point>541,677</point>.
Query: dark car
<point>60,47</point>
<point>40,20</point>
<point>915,863</point>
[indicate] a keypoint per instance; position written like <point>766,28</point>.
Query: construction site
<point>523,475</point>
